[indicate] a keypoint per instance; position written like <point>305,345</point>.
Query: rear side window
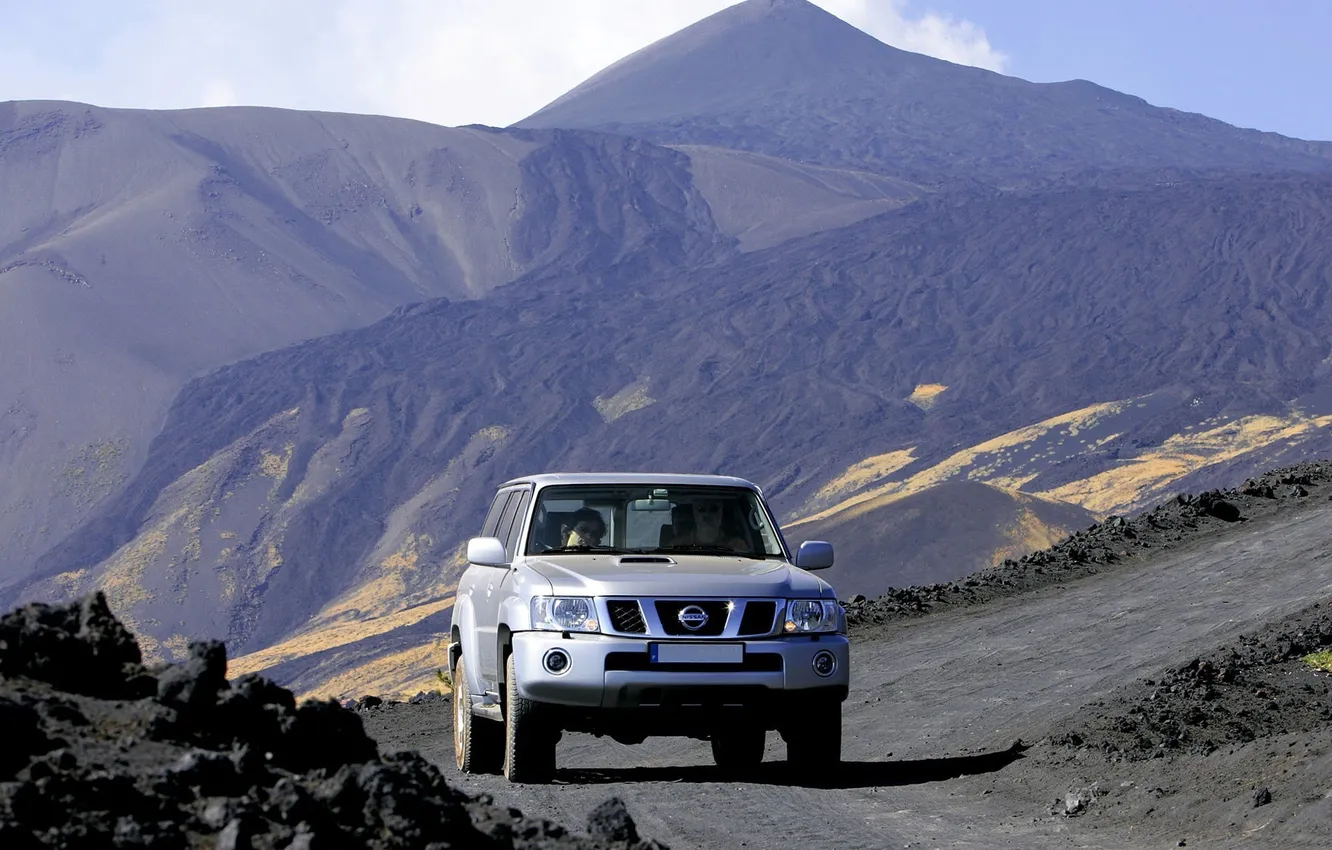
<point>506,520</point>
<point>511,535</point>
<point>489,527</point>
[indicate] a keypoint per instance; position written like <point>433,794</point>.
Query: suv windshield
<point>652,519</point>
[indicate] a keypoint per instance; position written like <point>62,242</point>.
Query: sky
<point>1254,63</point>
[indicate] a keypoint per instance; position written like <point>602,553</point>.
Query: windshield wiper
<point>701,549</point>
<point>606,550</point>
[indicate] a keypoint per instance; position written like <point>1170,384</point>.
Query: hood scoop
<point>645,559</point>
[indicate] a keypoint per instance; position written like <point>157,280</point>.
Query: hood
<point>684,575</point>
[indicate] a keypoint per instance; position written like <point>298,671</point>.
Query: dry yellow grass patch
<point>866,472</point>
<point>1027,533</point>
<point>391,590</point>
<point>1139,480</point>
<point>969,463</point>
<point>395,676</point>
<point>177,647</point>
<point>926,396</point>
<point>274,465</point>
<point>408,556</point>
<point>70,582</point>
<point>334,635</point>
<point>631,398</point>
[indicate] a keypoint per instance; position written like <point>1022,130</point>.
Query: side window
<point>492,519</point>
<point>511,538</point>
<point>506,520</point>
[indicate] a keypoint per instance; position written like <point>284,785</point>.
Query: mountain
<point>311,504</point>
<point>142,249</point>
<point>263,368</point>
<point>785,78</point>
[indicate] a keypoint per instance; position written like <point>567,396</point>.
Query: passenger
<point>587,530</point>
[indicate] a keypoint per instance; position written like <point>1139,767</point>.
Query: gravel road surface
<point>939,705</point>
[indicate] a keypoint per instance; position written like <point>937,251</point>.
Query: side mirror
<point>814,555</point>
<point>486,551</point>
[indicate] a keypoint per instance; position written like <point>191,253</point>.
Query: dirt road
<point>937,702</point>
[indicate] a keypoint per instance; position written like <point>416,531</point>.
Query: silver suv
<point>636,605</point>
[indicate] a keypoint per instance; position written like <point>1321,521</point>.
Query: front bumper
<point>615,672</point>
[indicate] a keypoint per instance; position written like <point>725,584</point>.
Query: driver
<point>708,528</point>
<point>586,528</point>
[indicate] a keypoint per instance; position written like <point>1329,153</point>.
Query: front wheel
<point>478,743</point>
<point>529,735</point>
<point>814,738</point>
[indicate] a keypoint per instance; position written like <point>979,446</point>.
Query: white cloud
<point>444,61</point>
<point>931,33</point>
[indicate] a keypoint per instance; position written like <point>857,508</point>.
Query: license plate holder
<point>697,653</point>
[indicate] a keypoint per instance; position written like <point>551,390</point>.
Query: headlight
<point>812,615</point>
<point>564,614</point>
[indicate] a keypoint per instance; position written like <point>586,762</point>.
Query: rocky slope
<point>758,77</point>
<point>1118,540</point>
<point>103,752</point>
<point>940,342</point>
<point>141,249</point>
<point>145,248</point>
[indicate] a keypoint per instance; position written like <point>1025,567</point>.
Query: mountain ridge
<point>347,468</point>
<point>757,76</point>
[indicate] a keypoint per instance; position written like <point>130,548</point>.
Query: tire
<point>478,743</point>
<point>529,736</point>
<point>815,741</point>
<point>739,747</point>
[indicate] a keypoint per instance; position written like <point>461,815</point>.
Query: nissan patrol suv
<point>635,605</point>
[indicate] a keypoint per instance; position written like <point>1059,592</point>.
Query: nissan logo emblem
<point>692,617</point>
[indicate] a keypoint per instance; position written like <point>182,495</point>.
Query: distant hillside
<point>785,78</point>
<point>316,499</point>
<point>139,249</point>
<point>936,535</point>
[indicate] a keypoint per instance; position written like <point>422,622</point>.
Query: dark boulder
<point>23,737</point>
<point>80,648</point>
<point>307,734</point>
<point>195,683</point>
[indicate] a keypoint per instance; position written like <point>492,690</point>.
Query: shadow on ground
<point>847,774</point>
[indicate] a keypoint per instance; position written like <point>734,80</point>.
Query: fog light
<point>556,662</point>
<point>825,663</point>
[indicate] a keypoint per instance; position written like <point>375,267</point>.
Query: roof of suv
<point>549,478</point>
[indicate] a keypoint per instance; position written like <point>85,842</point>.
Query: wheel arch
<point>461,629</point>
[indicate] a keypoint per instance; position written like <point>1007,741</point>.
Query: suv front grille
<point>668,611</point>
<point>758,618</point>
<point>627,617</point>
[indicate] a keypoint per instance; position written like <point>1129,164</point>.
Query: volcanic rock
<point>195,683</point>
<point>196,762</point>
<point>80,648</point>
